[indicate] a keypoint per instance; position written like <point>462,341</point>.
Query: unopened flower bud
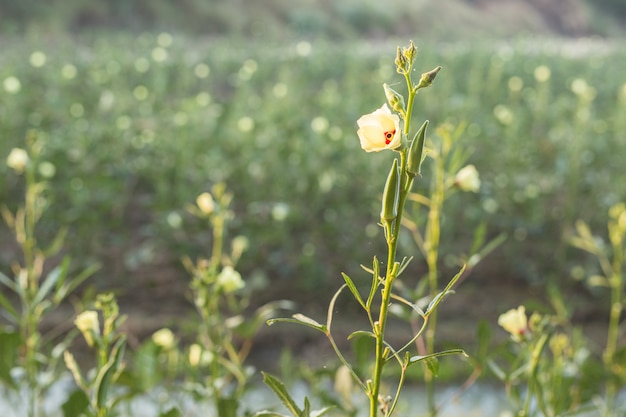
<point>410,52</point>
<point>428,78</point>
<point>401,62</point>
<point>396,101</point>
<point>416,151</point>
<point>164,338</point>
<point>230,280</point>
<point>205,203</point>
<point>391,194</point>
<point>88,324</point>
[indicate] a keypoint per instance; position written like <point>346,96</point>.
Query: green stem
<point>433,236</point>
<point>392,269</point>
<point>616,283</point>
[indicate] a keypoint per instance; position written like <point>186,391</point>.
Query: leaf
<point>331,307</point>
<point>76,404</point>
<point>70,286</point>
<point>439,297</point>
<point>9,343</point>
<point>8,282</point>
<point>375,271</point>
<point>359,333</point>
<point>266,413</point>
<point>281,392</point>
<point>497,371</point>
<point>172,412</point>
<point>433,356</point>
<point>107,373</point>
<point>57,243</point>
<point>53,277</point>
<point>12,313</point>
<point>299,319</point>
<point>353,290</point>
<point>321,412</point>
<point>71,364</point>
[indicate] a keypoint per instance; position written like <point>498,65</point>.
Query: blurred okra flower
<point>230,280</point>
<point>89,325</point>
<point>467,179</point>
<point>515,322</point>
<point>164,338</point>
<point>379,130</point>
<point>205,203</point>
<point>17,160</point>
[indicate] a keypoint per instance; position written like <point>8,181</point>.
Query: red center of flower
<point>389,136</point>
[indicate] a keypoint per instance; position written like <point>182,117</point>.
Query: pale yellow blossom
<point>467,179</point>
<point>379,130</point>
<point>515,322</point>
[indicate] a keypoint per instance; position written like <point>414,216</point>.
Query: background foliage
<point>137,126</point>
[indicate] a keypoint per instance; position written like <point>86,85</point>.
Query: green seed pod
<point>391,194</point>
<point>416,151</point>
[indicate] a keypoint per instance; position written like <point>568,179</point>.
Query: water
<point>480,400</point>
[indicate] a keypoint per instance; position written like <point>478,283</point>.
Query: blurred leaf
<point>172,412</point>
<point>7,282</point>
<point>227,406</point>
<point>58,273</point>
<point>9,344</point>
<point>359,333</point>
<point>76,404</point>
<point>106,374</point>
<point>57,243</point>
<point>431,359</point>
<point>10,310</point>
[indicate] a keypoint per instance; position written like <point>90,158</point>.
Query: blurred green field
<point>137,126</point>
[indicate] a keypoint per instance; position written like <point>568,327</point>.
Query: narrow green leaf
<point>360,333</point>
<point>57,243</point>
<point>497,371</point>
<point>353,290</point>
<point>281,392</point>
<point>405,262</point>
<point>71,364</point>
<point>70,286</point>
<point>299,319</point>
<point>51,280</point>
<point>13,316</point>
<point>321,412</point>
<point>375,283</point>
<point>306,412</point>
<point>266,413</point>
<point>432,306</point>
<point>416,359</point>
<point>8,282</point>
<point>331,307</point>
<point>106,374</point>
